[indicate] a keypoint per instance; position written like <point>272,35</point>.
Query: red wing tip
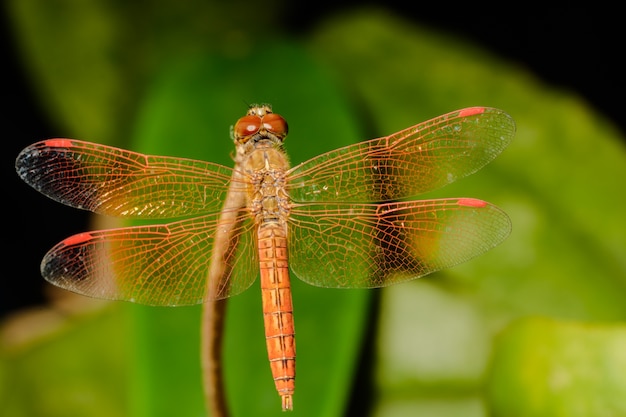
<point>471,111</point>
<point>77,239</point>
<point>471,202</point>
<point>58,143</point>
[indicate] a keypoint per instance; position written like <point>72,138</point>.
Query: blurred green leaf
<point>91,60</point>
<point>74,367</point>
<point>187,113</point>
<point>549,368</point>
<point>559,181</point>
<point>74,51</point>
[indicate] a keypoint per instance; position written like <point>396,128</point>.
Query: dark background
<point>572,51</point>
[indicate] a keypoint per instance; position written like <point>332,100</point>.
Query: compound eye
<point>246,126</point>
<point>275,124</point>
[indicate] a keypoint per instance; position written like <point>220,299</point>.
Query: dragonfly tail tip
<point>287,402</point>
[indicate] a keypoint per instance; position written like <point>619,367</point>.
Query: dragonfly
<point>342,219</point>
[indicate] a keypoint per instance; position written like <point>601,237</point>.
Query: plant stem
<point>213,315</point>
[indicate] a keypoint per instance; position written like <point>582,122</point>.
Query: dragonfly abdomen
<point>277,308</point>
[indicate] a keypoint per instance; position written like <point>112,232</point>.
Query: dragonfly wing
<point>375,245</point>
<point>155,264</point>
<point>117,182</point>
<point>413,161</point>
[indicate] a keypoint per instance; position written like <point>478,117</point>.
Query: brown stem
<point>213,314</point>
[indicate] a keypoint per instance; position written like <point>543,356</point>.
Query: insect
<point>338,220</point>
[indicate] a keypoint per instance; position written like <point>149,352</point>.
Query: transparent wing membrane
<point>375,245</point>
<point>116,182</point>
<point>155,264</point>
<point>421,158</point>
<point>341,232</point>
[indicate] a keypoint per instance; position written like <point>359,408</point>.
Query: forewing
<point>117,182</point>
<point>156,265</point>
<point>413,161</point>
<point>375,245</point>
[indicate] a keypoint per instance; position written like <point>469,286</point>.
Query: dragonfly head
<point>260,123</point>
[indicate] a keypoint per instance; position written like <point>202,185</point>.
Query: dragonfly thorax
<point>269,200</point>
<point>265,166</point>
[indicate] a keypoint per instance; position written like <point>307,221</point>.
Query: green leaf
<point>91,60</point>
<point>58,363</point>
<point>69,49</point>
<point>551,368</point>
<point>559,181</point>
<point>187,113</point>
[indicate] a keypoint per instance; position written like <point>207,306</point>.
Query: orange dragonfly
<point>337,220</point>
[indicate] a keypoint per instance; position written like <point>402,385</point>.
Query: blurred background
<point>170,78</point>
